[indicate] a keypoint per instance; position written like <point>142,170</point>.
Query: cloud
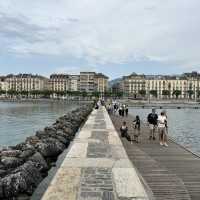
<point>103,32</point>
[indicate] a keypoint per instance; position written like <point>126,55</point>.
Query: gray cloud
<point>114,31</point>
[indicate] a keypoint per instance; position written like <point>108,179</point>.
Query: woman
<point>162,128</point>
<point>136,126</point>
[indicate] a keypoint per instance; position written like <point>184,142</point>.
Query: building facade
<point>74,83</point>
<point>93,82</point>
<point>59,82</point>
<point>26,82</point>
<point>102,82</point>
<point>162,87</point>
<point>3,84</point>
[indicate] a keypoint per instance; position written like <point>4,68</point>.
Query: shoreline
<point>37,155</point>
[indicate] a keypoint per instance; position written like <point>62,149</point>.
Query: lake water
<point>19,120</point>
<point>184,125</point>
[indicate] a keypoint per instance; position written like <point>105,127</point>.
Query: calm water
<point>184,125</point>
<point>19,120</point>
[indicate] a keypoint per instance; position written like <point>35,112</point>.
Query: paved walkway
<point>96,167</point>
<point>172,173</point>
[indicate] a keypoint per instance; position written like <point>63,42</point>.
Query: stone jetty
<point>23,167</point>
<point>96,166</point>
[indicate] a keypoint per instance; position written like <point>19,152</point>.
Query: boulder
<point>11,153</point>
<point>50,147</point>
<point>11,162</point>
<point>23,180</point>
<point>39,161</point>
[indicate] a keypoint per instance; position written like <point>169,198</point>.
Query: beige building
<point>133,85</point>
<point>26,82</point>
<point>102,82</point>
<point>162,87</point>
<point>3,84</point>
<point>74,82</point>
<point>59,82</point>
<point>93,82</point>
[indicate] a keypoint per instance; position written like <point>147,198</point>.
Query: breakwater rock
<point>23,167</point>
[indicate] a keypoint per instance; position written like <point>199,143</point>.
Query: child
<point>124,130</point>
<point>136,126</point>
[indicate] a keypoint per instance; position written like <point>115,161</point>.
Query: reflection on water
<point>184,125</point>
<point>19,120</point>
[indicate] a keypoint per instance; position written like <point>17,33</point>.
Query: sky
<point>116,37</point>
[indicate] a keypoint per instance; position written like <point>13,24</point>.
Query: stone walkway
<point>96,167</point>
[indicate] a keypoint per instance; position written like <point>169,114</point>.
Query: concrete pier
<point>96,166</point>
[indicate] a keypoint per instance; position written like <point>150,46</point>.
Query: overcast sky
<point>116,37</point>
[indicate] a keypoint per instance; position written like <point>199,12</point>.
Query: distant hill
<point>114,81</point>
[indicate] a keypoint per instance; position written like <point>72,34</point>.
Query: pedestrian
<point>123,110</point>
<point>120,110</point>
<point>152,119</point>
<point>162,128</point>
<point>136,127</point>
<point>126,110</point>
<point>124,130</point>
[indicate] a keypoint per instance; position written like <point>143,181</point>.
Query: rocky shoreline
<point>24,166</point>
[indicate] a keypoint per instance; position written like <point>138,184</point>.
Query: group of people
<point>156,123</point>
<point>115,108</point>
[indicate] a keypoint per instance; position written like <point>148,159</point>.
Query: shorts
<point>162,130</point>
<point>152,127</point>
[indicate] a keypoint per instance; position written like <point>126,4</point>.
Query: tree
<point>2,92</point>
<point>153,92</point>
<point>166,93</point>
<point>96,94</point>
<point>177,93</point>
<point>12,93</point>
<point>46,93</point>
<point>142,92</point>
<point>190,93</point>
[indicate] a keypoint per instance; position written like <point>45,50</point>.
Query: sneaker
<point>166,144</point>
<point>161,144</point>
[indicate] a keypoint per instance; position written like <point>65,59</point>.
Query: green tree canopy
<point>177,93</point>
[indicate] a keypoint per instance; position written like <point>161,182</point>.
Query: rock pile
<point>22,167</point>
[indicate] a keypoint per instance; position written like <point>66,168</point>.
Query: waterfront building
<point>162,87</point>
<point>26,82</point>
<point>102,82</point>
<point>3,84</point>
<point>93,82</point>
<point>134,85</point>
<point>74,83</point>
<point>59,82</point>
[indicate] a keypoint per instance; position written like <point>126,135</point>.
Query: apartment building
<point>3,84</point>
<point>59,82</point>
<point>74,82</point>
<point>133,85</point>
<point>91,82</point>
<point>183,86</point>
<point>26,82</point>
<point>102,82</point>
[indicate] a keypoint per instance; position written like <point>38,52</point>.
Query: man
<point>152,120</point>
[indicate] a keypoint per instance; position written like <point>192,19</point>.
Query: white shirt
<point>161,121</point>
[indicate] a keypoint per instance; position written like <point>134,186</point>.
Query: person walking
<point>136,127</point>
<point>162,123</point>
<point>126,110</point>
<point>152,120</point>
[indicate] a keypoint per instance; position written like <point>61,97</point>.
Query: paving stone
<point>78,150</point>
<point>127,183</point>
<point>65,185</point>
<point>88,162</point>
<point>108,195</point>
